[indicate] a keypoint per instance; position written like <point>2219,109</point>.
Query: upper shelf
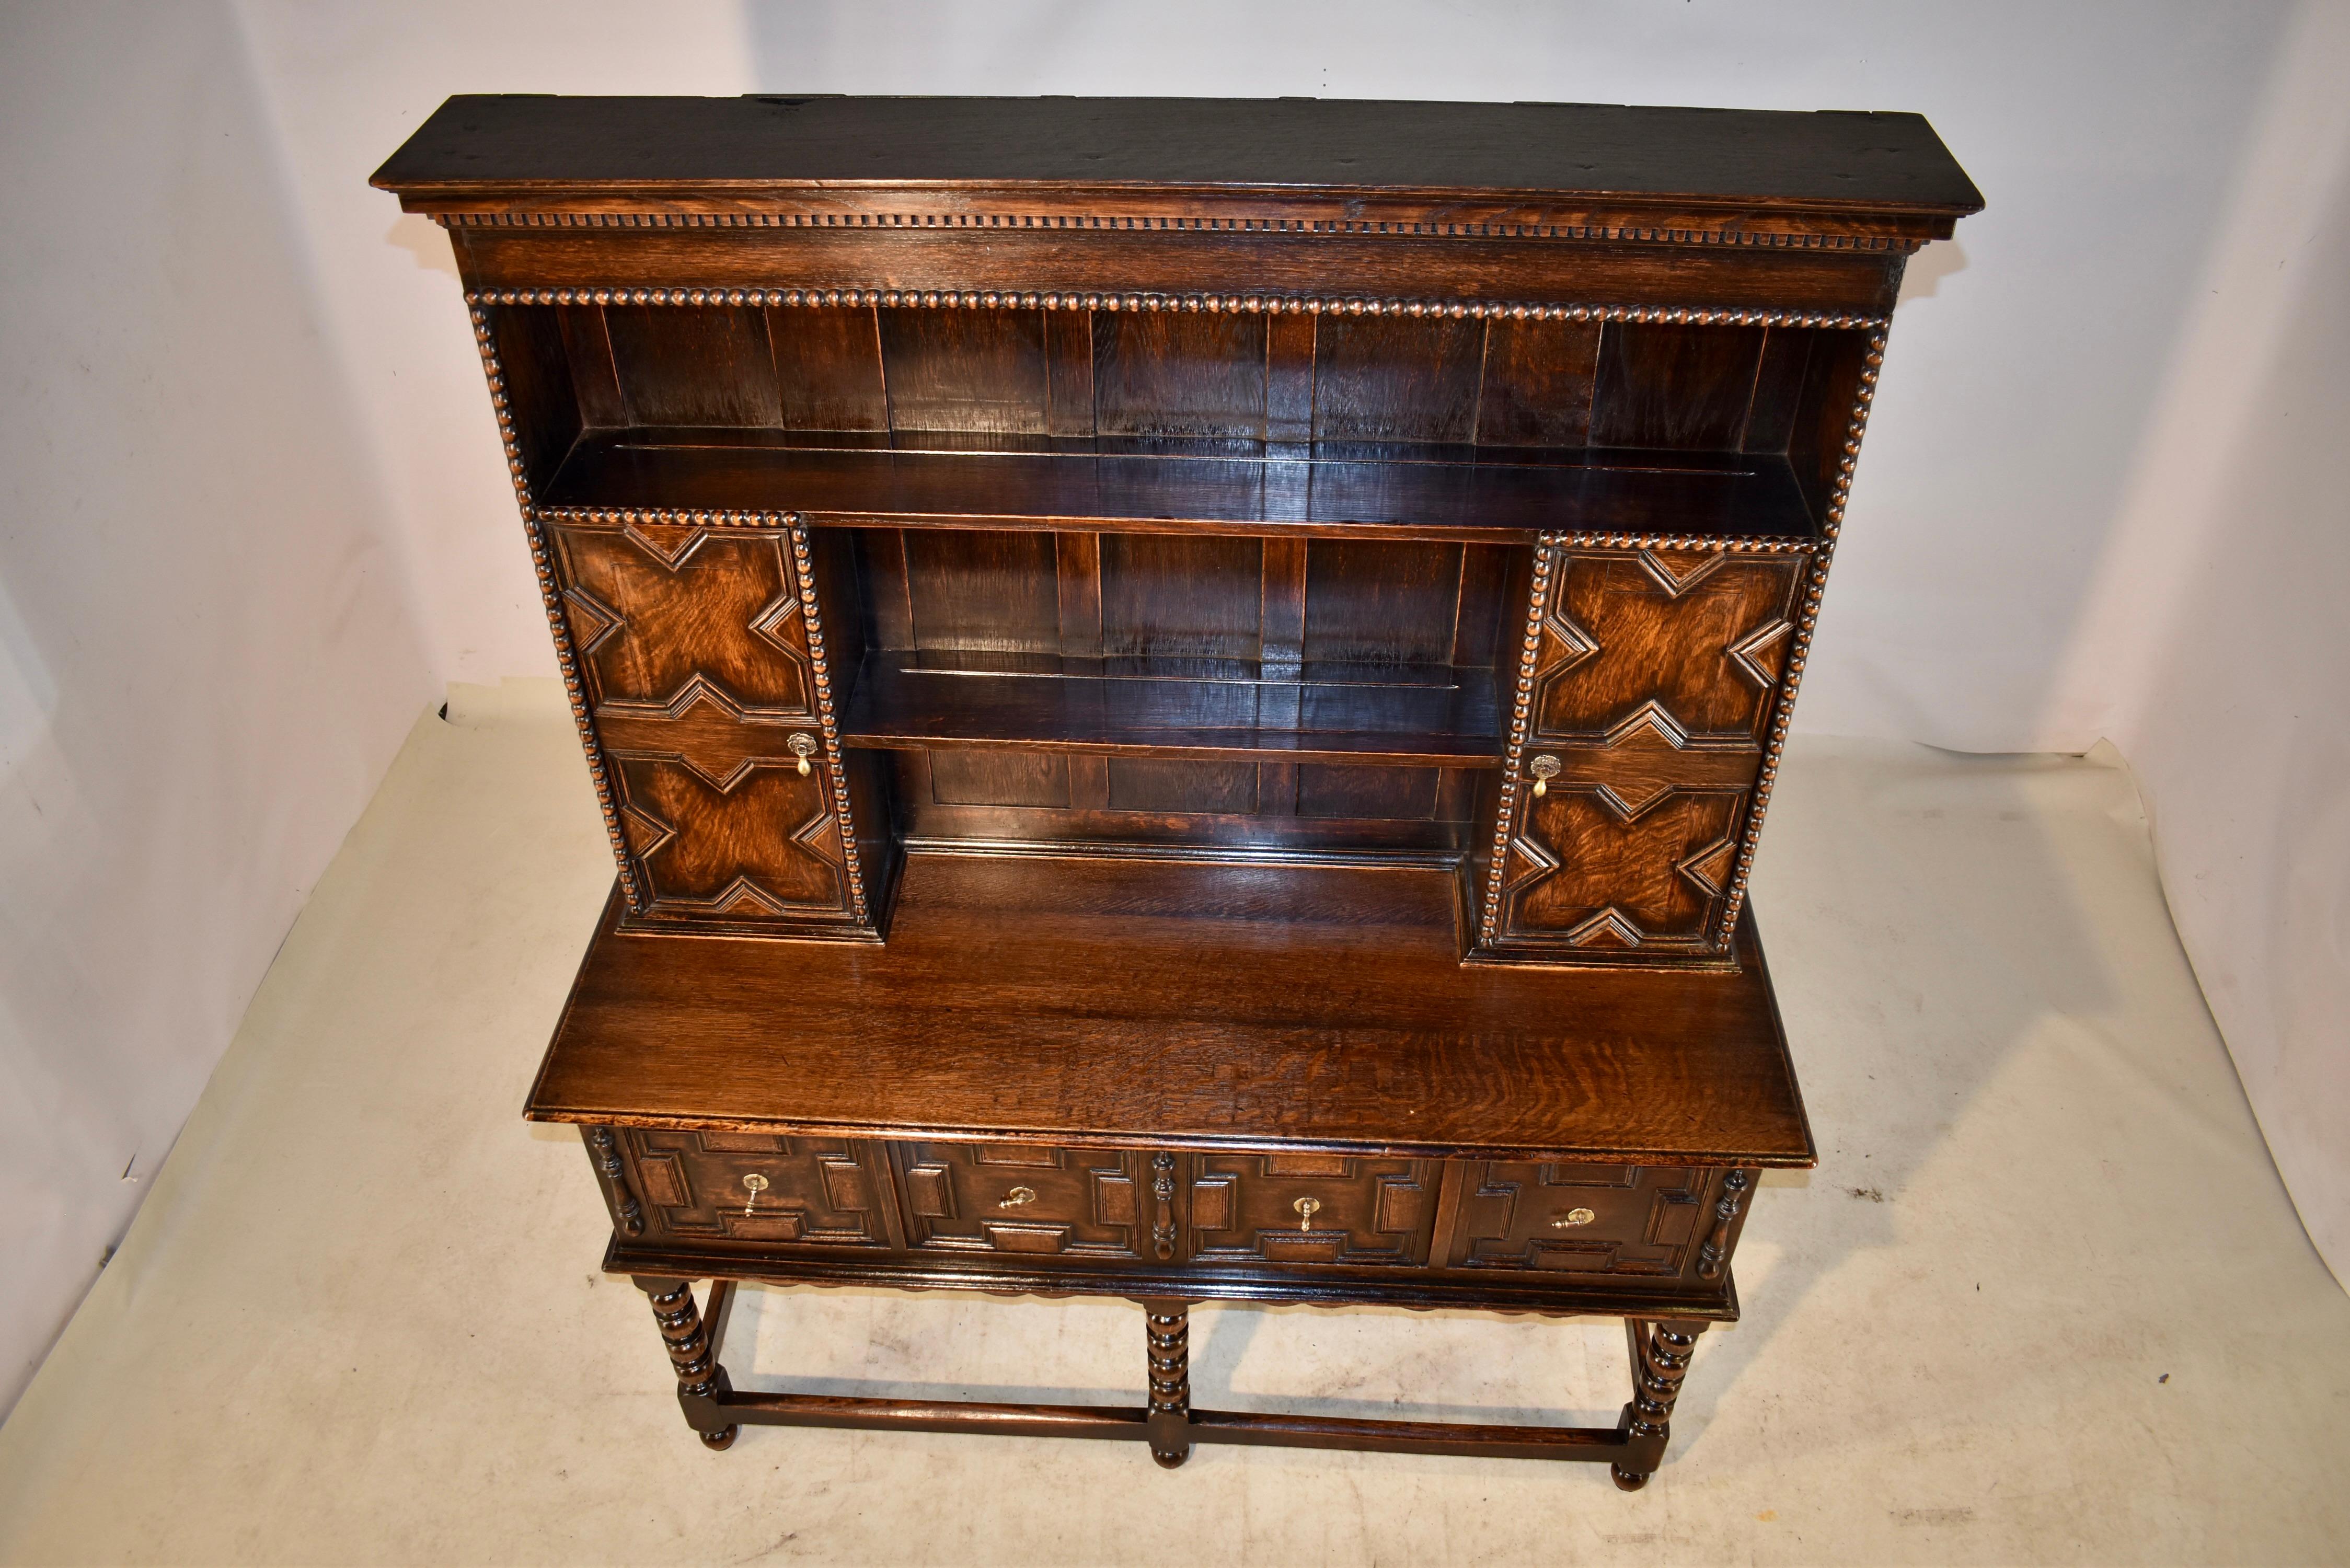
<point>1471,495</point>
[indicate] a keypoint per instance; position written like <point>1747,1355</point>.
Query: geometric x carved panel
<point>1588,868</point>
<point>661,614</point>
<point>1695,638</point>
<point>761,840</point>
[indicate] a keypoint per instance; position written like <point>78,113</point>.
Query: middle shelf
<point>1200,709</point>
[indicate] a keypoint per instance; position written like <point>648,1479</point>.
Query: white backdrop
<point>207,652</point>
<point>2092,504</point>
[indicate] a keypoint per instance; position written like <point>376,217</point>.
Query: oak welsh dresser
<point>1183,692</point>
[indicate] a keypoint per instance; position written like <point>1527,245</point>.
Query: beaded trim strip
<point>1212,304</point>
<point>1546,557</point>
<point>802,569</point>
<point>1758,545</point>
<point>1766,239</point>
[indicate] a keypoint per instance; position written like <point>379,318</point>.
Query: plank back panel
<point>1396,378</point>
<point>1162,373</point>
<point>1172,596</point>
<point>981,589</point>
<point>980,371</point>
<point>694,367</point>
<point>1379,603</point>
<point>828,368</point>
<point>1685,388</point>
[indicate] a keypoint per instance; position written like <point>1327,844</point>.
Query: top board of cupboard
<point>1867,180</point>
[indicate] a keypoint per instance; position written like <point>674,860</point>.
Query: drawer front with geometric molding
<point>1018,1198</point>
<point>753,1187</point>
<point>1597,1219</point>
<point>1310,1208</point>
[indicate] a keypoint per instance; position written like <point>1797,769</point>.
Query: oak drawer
<point>1310,1208</point>
<point>1020,1197</point>
<point>753,1187</point>
<point>1596,1220</point>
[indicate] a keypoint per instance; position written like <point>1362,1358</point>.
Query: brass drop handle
<point>1568,1219</point>
<point>1544,768</point>
<point>1018,1196</point>
<point>754,1184</point>
<point>803,746</point>
<point>1306,1208</point>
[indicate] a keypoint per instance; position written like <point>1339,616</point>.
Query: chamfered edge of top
<point>484,143</point>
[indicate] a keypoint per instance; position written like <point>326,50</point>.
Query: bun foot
<point>1169,1460</point>
<point>1629,1480</point>
<point>721,1439</point>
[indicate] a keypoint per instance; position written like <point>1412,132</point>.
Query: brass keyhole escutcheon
<point>1306,1208</point>
<point>803,747</point>
<point>754,1184</point>
<point>1544,768</point>
<point>1570,1218</point>
<point>1018,1196</point>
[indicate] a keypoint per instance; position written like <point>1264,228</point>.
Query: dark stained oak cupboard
<point>1183,691</point>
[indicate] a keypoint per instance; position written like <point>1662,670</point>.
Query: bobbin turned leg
<point>1170,1330</point>
<point>1660,1359</point>
<point>701,1381</point>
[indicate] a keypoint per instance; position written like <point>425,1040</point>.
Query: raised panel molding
<point>1580,1220</point>
<point>1589,869</point>
<point>811,1191</point>
<point>762,841</point>
<point>657,611</point>
<point>1025,1198</point>
<point>1247,1209</point>
<point>1692,642</point>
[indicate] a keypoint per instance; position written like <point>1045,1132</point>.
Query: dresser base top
<point>1125,1002</point>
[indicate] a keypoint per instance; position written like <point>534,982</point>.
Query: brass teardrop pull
<point>754,1184</point>
<point>1306,1208</point>
<point>803,746</point>
<point>1017,1196</point>
<point>1544,768</point>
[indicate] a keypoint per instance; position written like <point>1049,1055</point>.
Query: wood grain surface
<point>1127,1004</point>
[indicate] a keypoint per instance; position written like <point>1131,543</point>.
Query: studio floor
<point>2043,1300</point>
